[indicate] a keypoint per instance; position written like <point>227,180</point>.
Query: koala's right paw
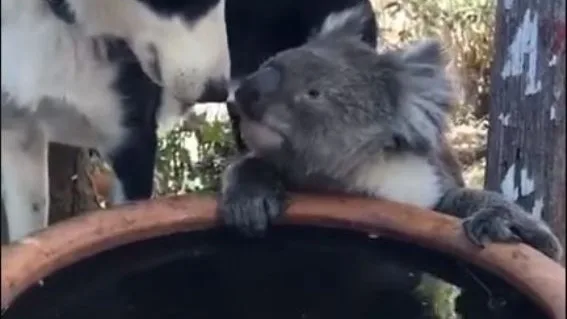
<point>251,206</point>
<point>511,224</point>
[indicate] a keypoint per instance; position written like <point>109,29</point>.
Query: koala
<point>336,116</point>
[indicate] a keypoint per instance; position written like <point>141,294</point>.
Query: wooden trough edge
<point>31,259</point>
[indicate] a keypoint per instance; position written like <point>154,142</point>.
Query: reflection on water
<point>302,273</point>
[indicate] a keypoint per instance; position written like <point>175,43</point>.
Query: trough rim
<point>38,255</point>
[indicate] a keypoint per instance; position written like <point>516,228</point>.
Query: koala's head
<point>181,44</point>
<point>335,100</point>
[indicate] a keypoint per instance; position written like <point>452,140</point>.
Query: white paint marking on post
<point>525,43</point>
<point>553,60</point>
<point>507,186</point>
<point>508,4</point>
<point>537,211</point>
<point>527,184</point>
<point>552,115</point>
<point>504,119</point>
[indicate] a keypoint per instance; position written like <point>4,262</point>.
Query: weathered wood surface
<point>70,187</point>
<point>3,226</point>
<point>526,140</point>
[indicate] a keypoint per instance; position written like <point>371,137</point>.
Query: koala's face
<point>335,100</point>
<point>332,94</point>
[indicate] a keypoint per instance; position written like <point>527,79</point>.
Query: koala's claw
<point>507,225</point>
<point>250,209</point>
<point>484,230</point>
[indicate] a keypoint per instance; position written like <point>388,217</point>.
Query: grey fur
<point>344,118</point>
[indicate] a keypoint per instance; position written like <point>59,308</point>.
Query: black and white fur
<point>336,116</point>
<point>100,74</point>
<point>104,73</point>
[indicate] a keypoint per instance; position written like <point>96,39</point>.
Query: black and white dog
<point>103,74</point>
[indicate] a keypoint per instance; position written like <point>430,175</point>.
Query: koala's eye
<point>313,93</point>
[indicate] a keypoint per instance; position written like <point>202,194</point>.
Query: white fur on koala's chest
<point>406,179</point>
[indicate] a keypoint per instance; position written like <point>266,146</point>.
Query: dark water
<point>302,273</point>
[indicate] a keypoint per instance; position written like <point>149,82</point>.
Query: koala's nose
<point>216,91</point>
<point>264,81</point>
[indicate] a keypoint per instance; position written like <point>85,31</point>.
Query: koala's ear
<point>427,95</point>
<point>350,22</point>
<point>425,53</point>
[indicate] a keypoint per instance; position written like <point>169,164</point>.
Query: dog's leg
<point>25,188</point>
<point>133,163</point>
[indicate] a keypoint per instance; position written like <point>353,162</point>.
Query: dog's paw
<point>507,224</point>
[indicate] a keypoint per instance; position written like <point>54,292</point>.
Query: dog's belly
<point>71,128</point>
<point>64,124</point>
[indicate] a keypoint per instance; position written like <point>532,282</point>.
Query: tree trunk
<point>3,226</point>
<point>526,140</point>
<point>71,192</point>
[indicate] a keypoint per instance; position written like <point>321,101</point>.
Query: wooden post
<point>526,139</point>
<point>3,226</point>
<point>71,192</point>
<point>70,188</point>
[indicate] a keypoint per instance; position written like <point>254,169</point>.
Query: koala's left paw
<point>507,224</point>
<point>250,207</point>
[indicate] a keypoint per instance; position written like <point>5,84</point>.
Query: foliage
<point>191,157</point>
<point>465,26</point>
